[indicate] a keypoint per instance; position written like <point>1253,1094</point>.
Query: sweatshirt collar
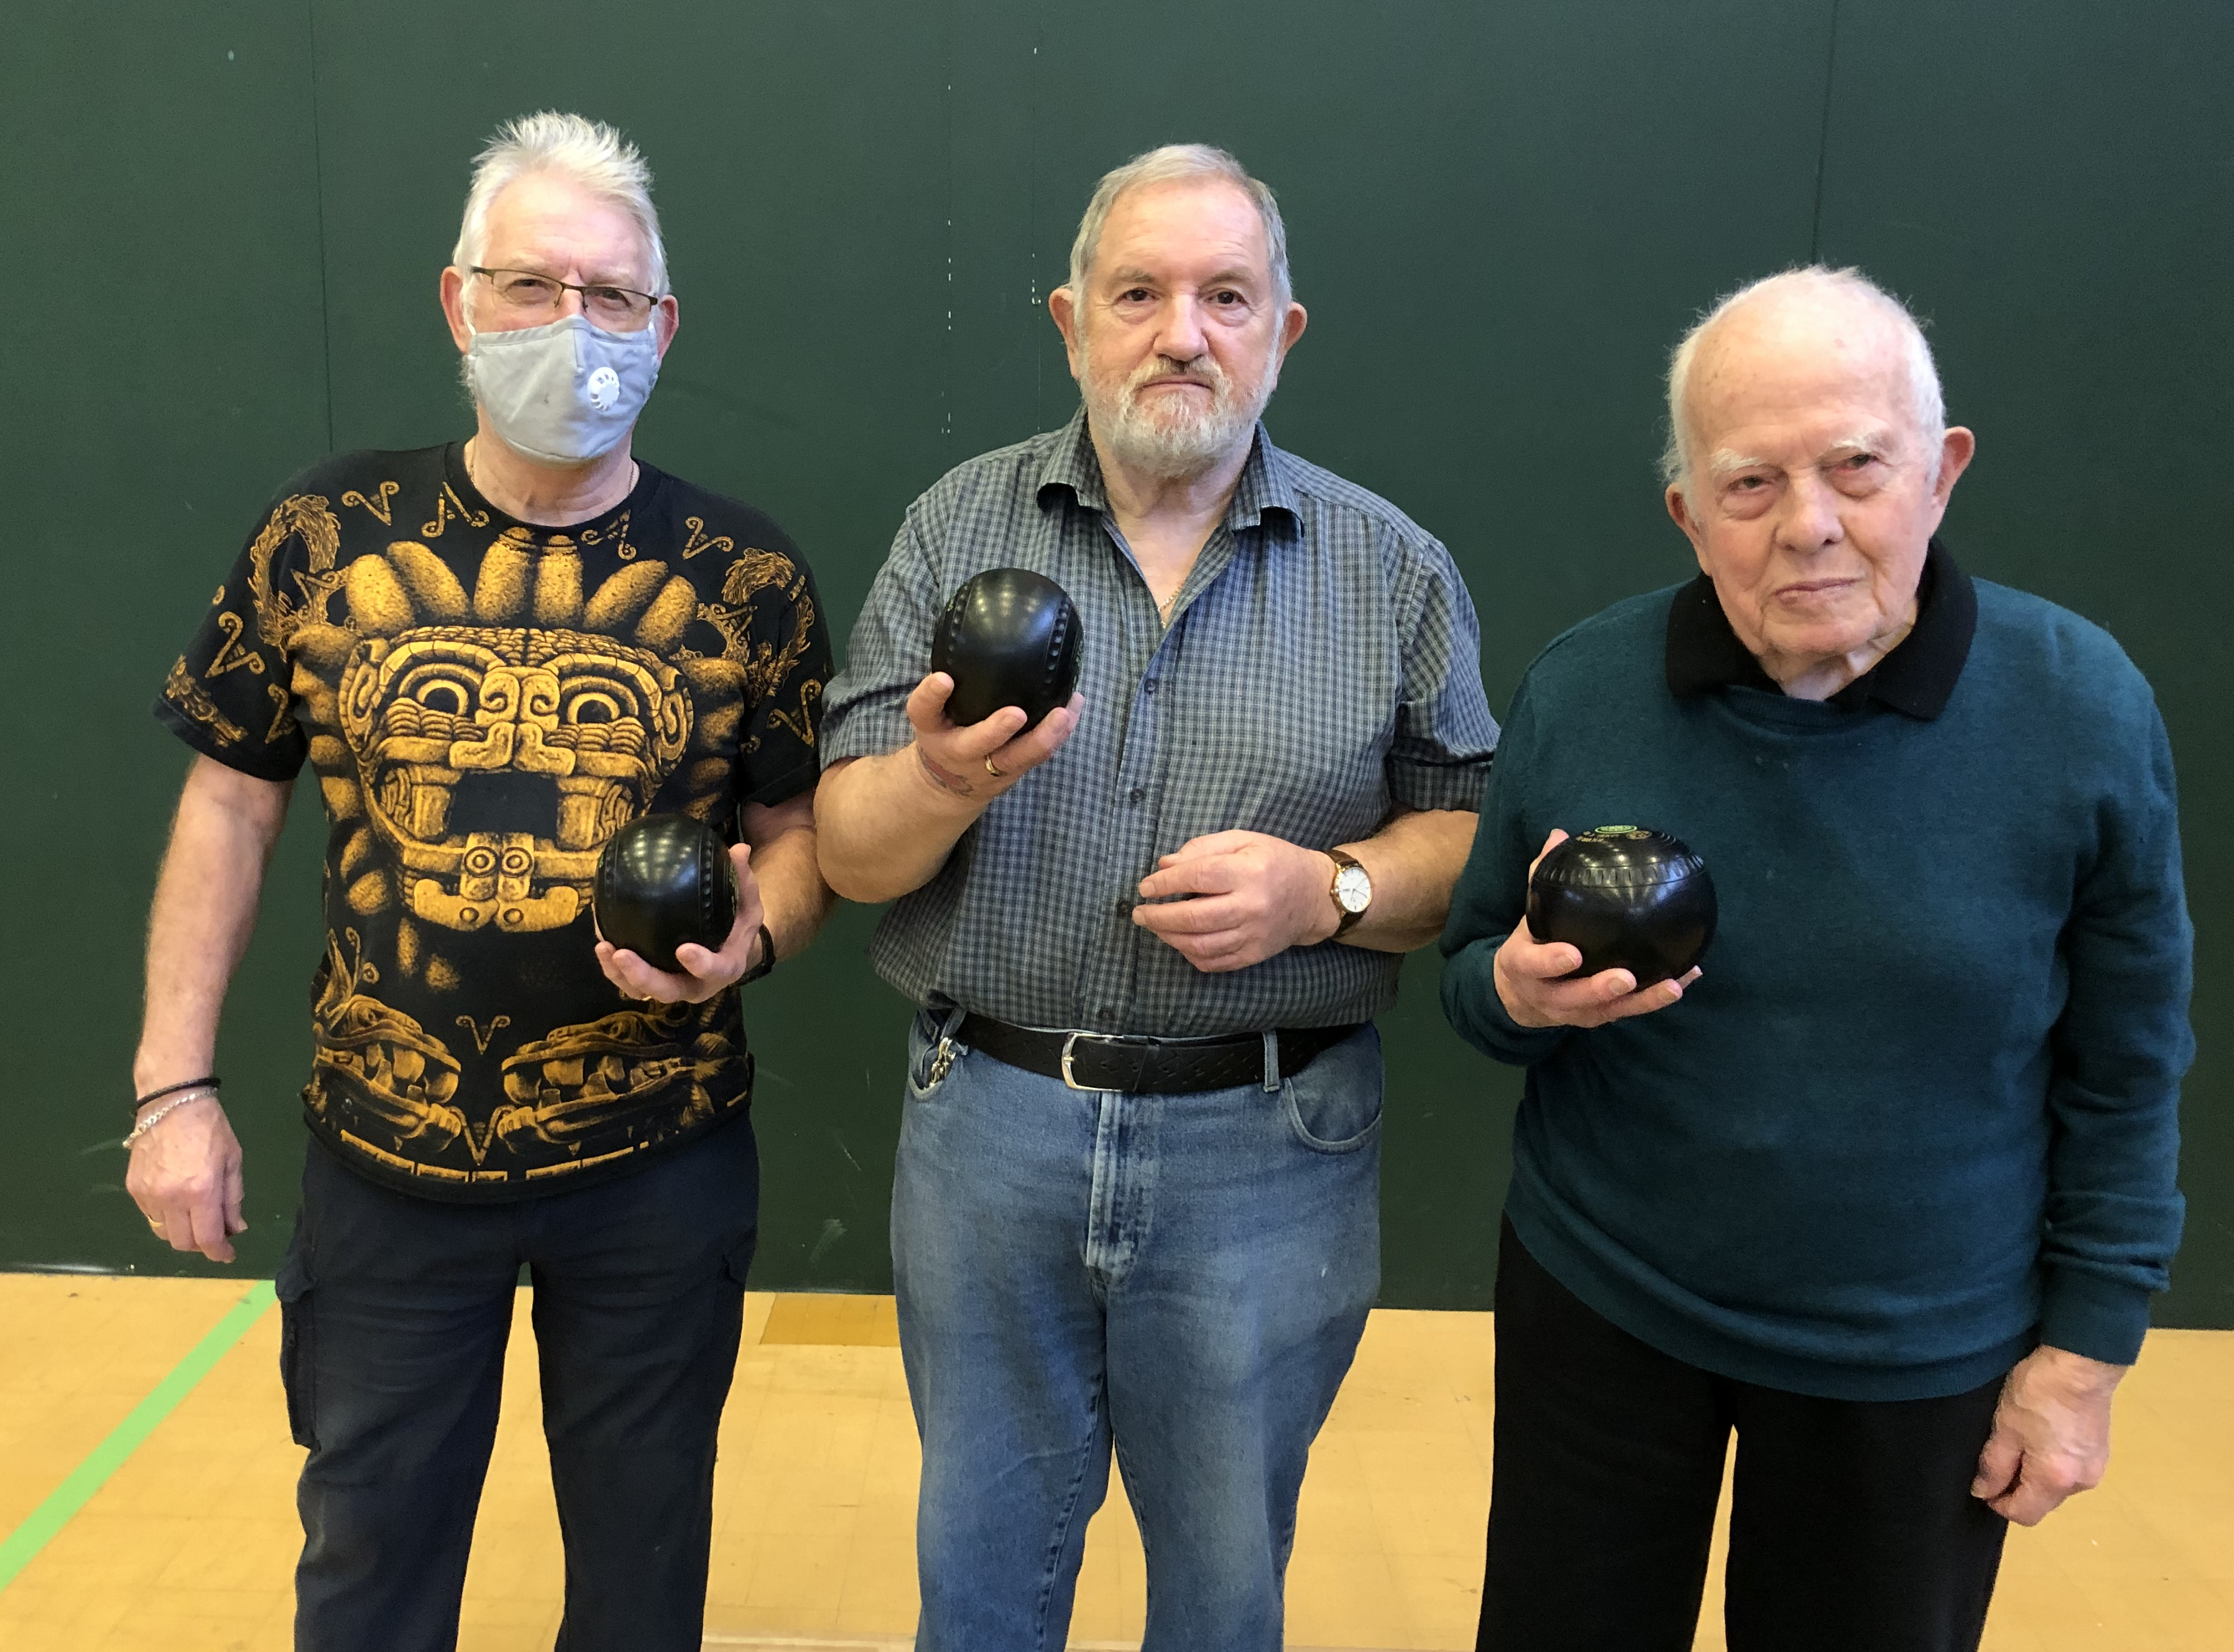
<point>1915,678</point>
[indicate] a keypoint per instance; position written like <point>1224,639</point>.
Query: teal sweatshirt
<point>1920,1111</point>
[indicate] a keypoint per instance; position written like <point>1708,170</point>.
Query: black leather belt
<point>1153,1066</point>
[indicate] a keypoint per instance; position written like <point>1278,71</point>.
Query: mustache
<point>1203,367</point>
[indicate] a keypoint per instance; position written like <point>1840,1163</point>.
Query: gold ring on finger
<point>156,1226</point>
<point>994,769</point>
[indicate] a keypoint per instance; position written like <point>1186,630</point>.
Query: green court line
<point>39,1527</point>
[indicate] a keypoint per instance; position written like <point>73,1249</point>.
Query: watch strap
<point>1346,919</point>
<point>760,971</point>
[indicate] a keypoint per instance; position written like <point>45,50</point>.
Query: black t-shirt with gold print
<point>484,703</point>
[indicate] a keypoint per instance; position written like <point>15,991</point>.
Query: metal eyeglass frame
<point>651,303</point>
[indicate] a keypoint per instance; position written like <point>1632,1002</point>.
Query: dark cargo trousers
<point>395,1312</point>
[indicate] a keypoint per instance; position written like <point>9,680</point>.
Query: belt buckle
<point>1070,1040</point>
<point>1109,1041</point>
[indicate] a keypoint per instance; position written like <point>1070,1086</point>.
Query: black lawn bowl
<point>1626,898</point>
<point>663,880</point>
<point>1009,637</point>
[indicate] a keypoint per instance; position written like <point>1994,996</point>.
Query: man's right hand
<point>185,1178</point>
<point>1533,980</point>
<point>977,763</point>
<point>884,824</point>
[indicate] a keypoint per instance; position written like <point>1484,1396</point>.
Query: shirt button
<point>1147,685</point>
<point>1108,1012</point>
<point>1136,796</point>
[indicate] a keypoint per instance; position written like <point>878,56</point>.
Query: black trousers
<point>1852,1527</point>
<point>395,1312</point>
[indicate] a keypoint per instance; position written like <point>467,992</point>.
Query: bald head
<point>1789,334</point>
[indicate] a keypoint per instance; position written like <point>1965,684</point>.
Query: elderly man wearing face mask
<point>1885,1190</point>
<point>493,654</point>
<point>1136,1196</point>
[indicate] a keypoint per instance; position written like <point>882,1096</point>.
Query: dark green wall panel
<point>1501,215</point>
<point>2053,186</point>
<point>164,369</point>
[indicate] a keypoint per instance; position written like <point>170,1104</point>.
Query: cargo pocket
<point>299,1341</point>
<point>737,1261</point>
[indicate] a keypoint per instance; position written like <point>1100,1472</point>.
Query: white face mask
<point>563,393</point>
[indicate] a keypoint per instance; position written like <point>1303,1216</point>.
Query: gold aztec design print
<point>483,707</point>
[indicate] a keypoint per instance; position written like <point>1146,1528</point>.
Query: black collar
<point>1916,677</point>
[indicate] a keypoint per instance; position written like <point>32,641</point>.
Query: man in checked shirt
<point>1136,1200</point>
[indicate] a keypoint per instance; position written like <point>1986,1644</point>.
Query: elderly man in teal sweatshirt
<point>1886,1188</point>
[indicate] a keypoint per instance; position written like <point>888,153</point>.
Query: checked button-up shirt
<point>1321,667</point>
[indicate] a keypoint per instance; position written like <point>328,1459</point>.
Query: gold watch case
<point>1351,889</point>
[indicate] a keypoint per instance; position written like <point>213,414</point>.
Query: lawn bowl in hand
<point>663,880</point>
<point>1009,637</point>
<point>1626,898</point>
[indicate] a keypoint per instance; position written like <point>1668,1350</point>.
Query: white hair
<point>584,152</point>
<point>1178,163</point>
<point>1927,404</point>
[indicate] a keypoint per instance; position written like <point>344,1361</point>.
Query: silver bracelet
<point>164,1112</point>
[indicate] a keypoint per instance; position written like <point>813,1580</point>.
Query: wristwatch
<point>1352,890</point>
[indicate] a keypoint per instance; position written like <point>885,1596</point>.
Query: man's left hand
<point>2051,1434</point>
<point>704,972</point>
<point>1234,899</point>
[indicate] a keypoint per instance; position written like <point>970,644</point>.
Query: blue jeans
<point>1184,1278</point>
<point>395,1315</point>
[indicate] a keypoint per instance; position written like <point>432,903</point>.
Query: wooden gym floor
<point>188,1541</point>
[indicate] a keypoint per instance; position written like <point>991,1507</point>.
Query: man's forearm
<point>884,825</point>
<point>795,901</point>
<point>1413,861</point>
<point>204,912</point>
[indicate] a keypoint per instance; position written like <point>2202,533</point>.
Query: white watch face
<point>1353,890</point>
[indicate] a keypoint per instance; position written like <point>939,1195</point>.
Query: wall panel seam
<point>318,192</point>
<point>1823,137</point>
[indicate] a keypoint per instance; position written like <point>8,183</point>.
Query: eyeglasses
<point>525,293</point>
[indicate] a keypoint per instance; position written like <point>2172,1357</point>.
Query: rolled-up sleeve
<point>1491,897</point>
<point>2122,1046</point>
<point>1439,755</point>
<point>865,713</point>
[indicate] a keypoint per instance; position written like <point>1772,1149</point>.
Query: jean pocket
<point>1334,1105</point>
<point>293,1285</point>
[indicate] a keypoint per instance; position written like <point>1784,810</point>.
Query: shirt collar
<point>1916,677</point>
<point>1265,483</point>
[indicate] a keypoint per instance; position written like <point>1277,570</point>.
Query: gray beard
<point>1174,449</point>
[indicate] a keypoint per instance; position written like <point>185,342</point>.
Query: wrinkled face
<point>1813,495</point>
<point>547,224</point>
<point>1177,341</point>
